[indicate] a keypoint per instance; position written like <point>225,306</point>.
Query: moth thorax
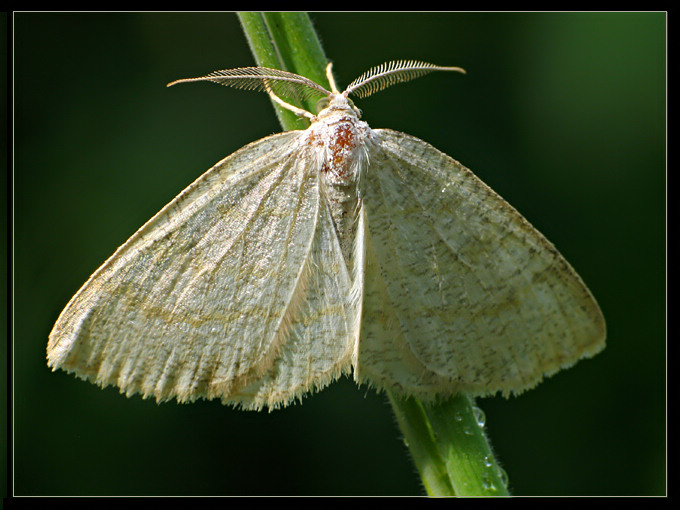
<point>341,150</point>
<point>340,140</point>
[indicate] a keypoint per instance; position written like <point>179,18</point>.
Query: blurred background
<point>563,114</point>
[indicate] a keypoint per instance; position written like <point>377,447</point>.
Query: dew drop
<point>487,482</point>
<point>480,417</point>
<point>503,475</point>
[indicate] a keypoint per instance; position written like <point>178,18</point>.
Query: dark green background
<point>563,114</point>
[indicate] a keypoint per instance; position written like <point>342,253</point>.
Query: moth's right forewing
<point>480,297</point>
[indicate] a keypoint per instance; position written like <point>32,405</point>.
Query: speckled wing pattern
<point>236,289</point>
<point>461,293</point>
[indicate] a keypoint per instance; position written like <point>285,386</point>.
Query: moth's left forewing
<point>458,277</point>
<point>233,290</point>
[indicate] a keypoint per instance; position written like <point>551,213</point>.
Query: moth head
<point>335,102</point>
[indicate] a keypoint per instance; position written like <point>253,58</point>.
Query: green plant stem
<point>420,441</point>
<point>458,426</point>
<point>286,41</point>
<point>446,442</point>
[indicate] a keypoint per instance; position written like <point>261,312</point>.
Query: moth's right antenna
<point>390,73</point>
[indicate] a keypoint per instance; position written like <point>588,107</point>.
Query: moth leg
<point>297,111</point>
<point>331,80</point>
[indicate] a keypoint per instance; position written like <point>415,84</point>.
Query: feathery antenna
<point>282,83</point>
<point>390,73</point>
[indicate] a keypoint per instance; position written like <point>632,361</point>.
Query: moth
<point>339,249</point>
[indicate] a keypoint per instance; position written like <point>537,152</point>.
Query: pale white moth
<point>338,249</point>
